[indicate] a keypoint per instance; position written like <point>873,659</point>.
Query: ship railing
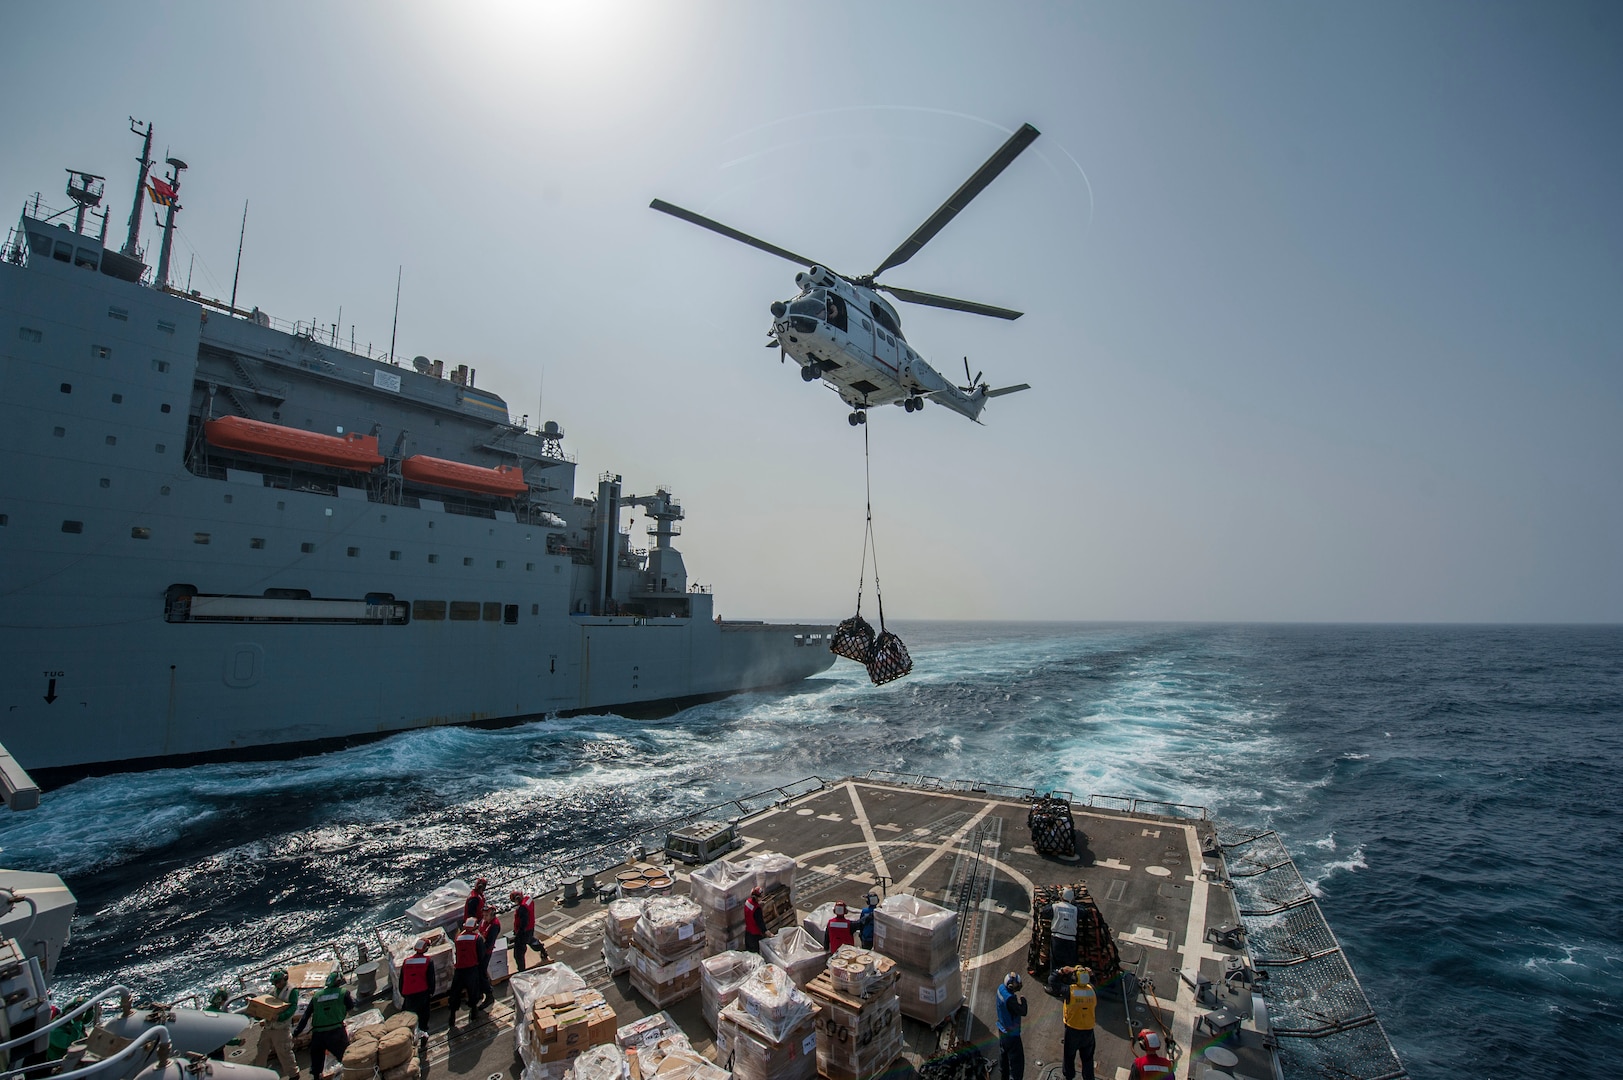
<point>1318,1014</point>
<point>1135,804</point>
<point>926,782</point>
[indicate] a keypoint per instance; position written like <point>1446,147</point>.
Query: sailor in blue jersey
<point>865,923</point>
<point>1010,1008</point>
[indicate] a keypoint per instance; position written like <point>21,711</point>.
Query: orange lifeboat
<point>502,480</point>
<point>357,452</point>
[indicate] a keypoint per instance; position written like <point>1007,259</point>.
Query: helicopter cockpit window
<point>883,318</point>
<point>836,312</point>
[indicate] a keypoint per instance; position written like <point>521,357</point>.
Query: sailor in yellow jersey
<point>1074,987</point>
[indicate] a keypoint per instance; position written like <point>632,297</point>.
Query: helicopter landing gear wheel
<point>854,419</point>
<point>862,417</point>
<point>810,372</point>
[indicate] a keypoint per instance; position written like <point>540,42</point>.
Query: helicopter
<point>841,331</point>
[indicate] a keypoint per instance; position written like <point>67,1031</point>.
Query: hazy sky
<point>1324,302</point>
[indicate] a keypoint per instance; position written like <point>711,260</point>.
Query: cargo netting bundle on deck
<point>957,1060</point>
<point>884,655</point>
<point>1095,948</point>
<point>1051,830</point>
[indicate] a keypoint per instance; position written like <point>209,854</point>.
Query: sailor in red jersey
<point>466,979</point>
<point>524,928</point>
<point>475,905</point>
<point>838,931</point>
<point>417,984</point>
<point>754,928</point>
<point>1151,1065</point>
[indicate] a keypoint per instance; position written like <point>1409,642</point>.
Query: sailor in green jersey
<point>69,1033</point>
<point>275,1034</point>
<point>325,1016</point>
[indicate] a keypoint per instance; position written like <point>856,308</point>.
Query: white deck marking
<point>888,827</point>
<point>1143,935</point>
<point>1112,864</point>
<point>943,847</point>
<point>1194,949</point>
<point>881,867</point>
<point>1157,871</point>
<point>830,817</point>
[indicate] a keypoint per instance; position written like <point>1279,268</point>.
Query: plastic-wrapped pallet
<point>721,885</point>
<point>796,952</point>
<point>663,981</point>
<point>771,868</point>
<point>620,921</point>
<point>857,1044</point>
<point>931,998</point>
<point>532,986</point>
<point>442,907</point>
<point>616,958</point>
<point>670,925</point>
<point>915,933</point>
<point>601,1062</point>
<point>859,973</point>
<point>719,979</point>
<point>685,1065</point>
<point>770,1004</point>
<point>754,1056</point>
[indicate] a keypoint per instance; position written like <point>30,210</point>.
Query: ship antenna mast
<point>140,187</point>
<point>238,275</point>
<point>396,324</point>
<point>175,168</point>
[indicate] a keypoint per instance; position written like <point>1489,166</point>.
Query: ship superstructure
<point>219,533</point>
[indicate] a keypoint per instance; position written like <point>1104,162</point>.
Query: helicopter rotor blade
<point>731,233</point>
<point>913,296</point>
<point>961,198</point>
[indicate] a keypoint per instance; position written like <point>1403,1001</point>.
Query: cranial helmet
<point>839,907</point>
<point>1150,1040</point>
<point>479,883</point>
<point>278,976</point>
<point>1069,895</point>
<point>420,945</point>
<point>1013,981</point>
<point>873,898</point>
<point>515,896</point>
<point>335,979</point>
<point>755,891</point>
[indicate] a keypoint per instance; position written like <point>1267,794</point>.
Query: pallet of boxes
<point>721,887</point>
<point>859,1027</point>
<point>769,1032</point>
<point>666,947</point>
<point>558,1018</point>
<point>923,940</point>
<point>654,1048</point>
<point>619,928</point>
<point>387,1050</point>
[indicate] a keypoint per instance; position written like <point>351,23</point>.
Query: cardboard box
<point>265,1007</point>
<point>311,976</point>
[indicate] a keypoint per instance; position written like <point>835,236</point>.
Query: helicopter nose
<point>779,308</point>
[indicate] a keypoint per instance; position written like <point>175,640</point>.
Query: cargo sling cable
<point>885,657</point>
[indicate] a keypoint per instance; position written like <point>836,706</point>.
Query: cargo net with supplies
<point>1095,948</point>
<point>1052,832</point>
<point>883,654</point>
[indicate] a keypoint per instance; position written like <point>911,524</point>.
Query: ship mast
<point>140,189</point>
<point>175,167</point>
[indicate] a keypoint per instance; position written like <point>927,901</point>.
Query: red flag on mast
<point>162,193</point>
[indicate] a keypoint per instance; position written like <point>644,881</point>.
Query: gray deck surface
<point>1144,870</point>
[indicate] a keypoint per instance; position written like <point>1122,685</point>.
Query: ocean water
<point>1451,793</point>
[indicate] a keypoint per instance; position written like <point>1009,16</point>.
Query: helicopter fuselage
<point>851,338</point>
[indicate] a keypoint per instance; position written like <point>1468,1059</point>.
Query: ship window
<point>63,252</point>
<point>39,243</point>
<point>464,611</point>
<point>118,313</point>
<point>256,542</point>
<point>161,408</point>
<point>59,431</point>
<point>429,610</point>
<point>160,365</point>
<point>394,556</point>
<point>73,526</point>
<point>166,327</point>
<point>118,399</point>
<point>112,440</point>
<point>140,532</point>
<point>501,564</point>
<point>200,538</point>
<point>467,560</point>
<point>354,551</point>
<point>157,448</point>
<point>493,611</point>
<point>28,333</point>
<point>529,566</point>
<point>67,388</point>
<point>433,558</point>
<point>307,547</point>
<point>100,352</point>
<point>106,483</point>
<point>85,257</point>
<point>510,615</point>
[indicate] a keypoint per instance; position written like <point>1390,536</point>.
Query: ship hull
<point>338,612</point>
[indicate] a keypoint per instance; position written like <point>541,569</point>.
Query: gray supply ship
<point>221,535</point>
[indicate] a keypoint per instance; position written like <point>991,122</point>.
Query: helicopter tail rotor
<point>974,383</point>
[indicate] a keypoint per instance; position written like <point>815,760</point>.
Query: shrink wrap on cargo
<point>602,1062</point>
<point>854,1044</point>
<point>685,1065</point>
<point>620,921</point>
<point>754,1056</point>
<point>771,868</point>
<point>647,1031</point>
<point>769,1003</point>
<point>931,998</point>
<point>616,958</point>
<point>858,972</point>
<point>665,980</point>
<point>670,925</point>
<point>915,933</point>
<point>442,907</point>
<point>797,952</point>
<point>532,986</point>
<point>719,979</point>
<point>721,885</point>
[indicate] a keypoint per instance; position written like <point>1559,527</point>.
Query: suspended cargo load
<point>501,480</point>
<point>356,452</point>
